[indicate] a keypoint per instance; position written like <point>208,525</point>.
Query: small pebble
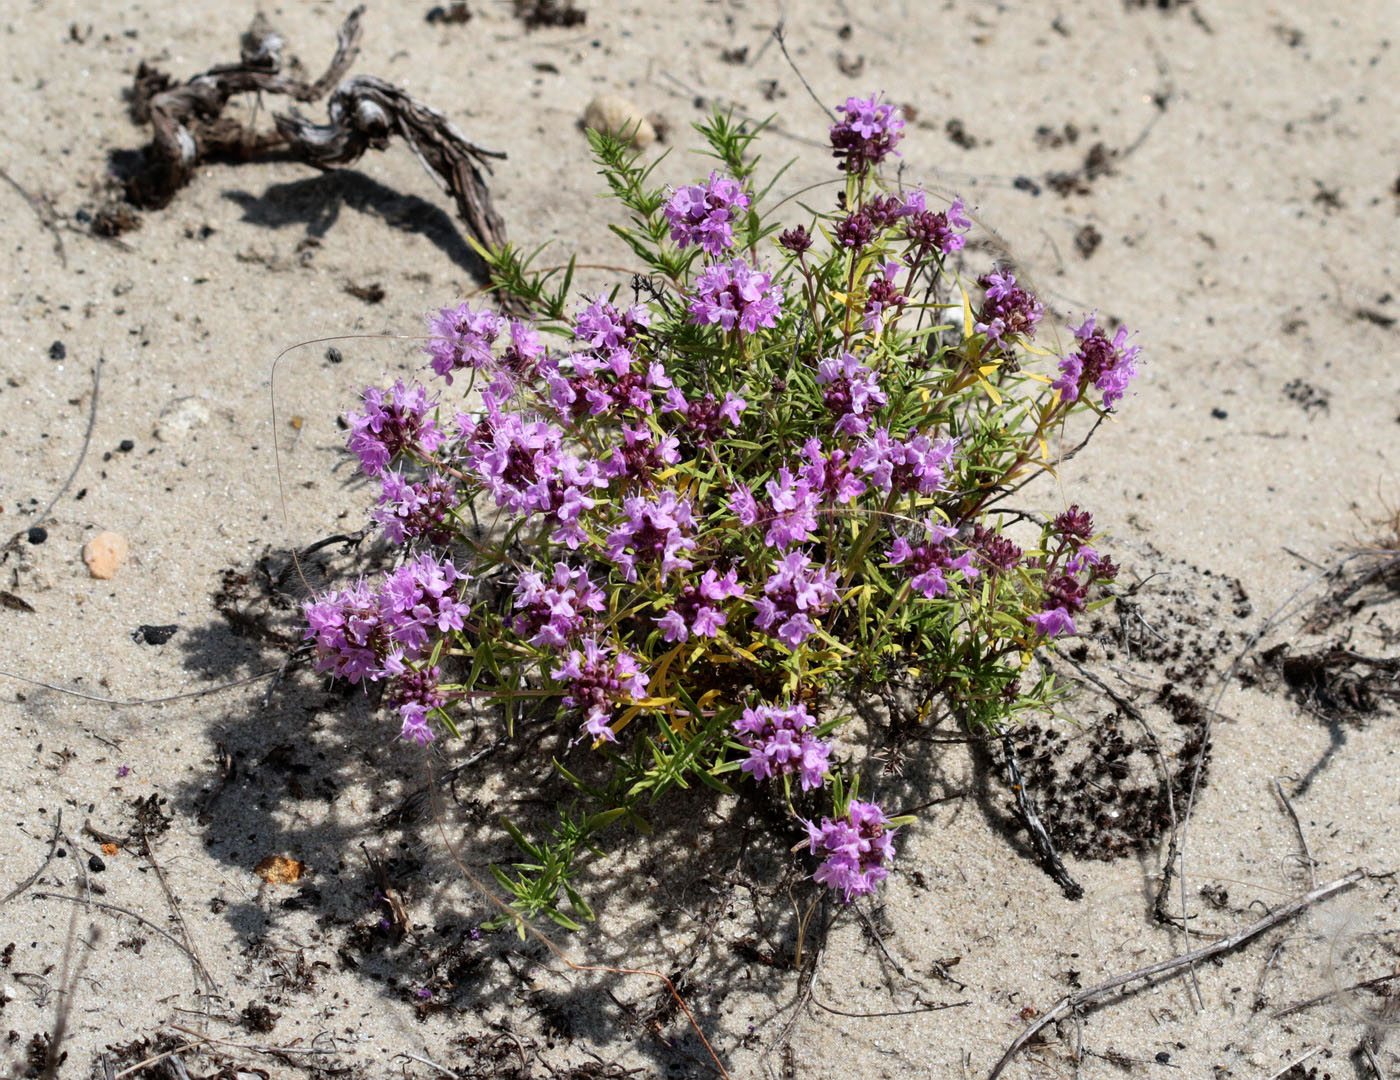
<point>104,553</point>
<point>615,114</point>
<point>37,534</point>
<point>95,864</point>
<point>58,351</point>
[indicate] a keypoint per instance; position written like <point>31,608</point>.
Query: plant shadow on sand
<point>318,775</point>
<point>316,204</point>
<point>713,898</point>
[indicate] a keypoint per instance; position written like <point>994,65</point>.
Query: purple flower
<point>855,231</point>
<point>696,611</point>
<point>598,677</point>
<point>992,550</point>
<point>1107,364</point>
<point>1053,622</point>
<point>392,424</point>
<point>527,472</point>
<point>852,391</point>
<point>942,232</point>
<point>704,214</point>
<point>730,295</point>
<point>655,532</point>
<point>1008,310</point>
<point>611,333</point>
<point>640,455</point>
<point>867,135</point>
<point>462,338</point>
<point>703,417</point>
<point>916,464</point>
<point>793,503</point>
<point>781,741</point>
<point>415,694</point>
<point>929,559</point>
<point>409,511</point>
<point>856,850</point>
<point>556,609</point>
<point>882,299</point>
<point>364,633</point>
<point>123,771</point>
<point>792,595</point>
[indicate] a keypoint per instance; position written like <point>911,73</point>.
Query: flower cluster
<point>867,135</point>
<point>1008,310</point>
<point>855,849</point>
<point>782,741</point>
<point>392,423</point>
<point>704,214</point>
<point>735,296</point>
<point>363,633</point>
<point>599,678</point>
<point>1106,364</point>
<point>767,481</point>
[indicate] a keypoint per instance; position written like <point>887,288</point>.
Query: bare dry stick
<point>1068,1005</point>
<point>32,878</point>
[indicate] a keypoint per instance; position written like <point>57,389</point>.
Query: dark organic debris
<point>372,293</point>
<point>958,134</point>
<point>1309,397</point>
<point>1098,162</point>
<point>454,13</point>
<point>154,635</point>
<point>537,13</point>
<point>1087,241</point>
<point>15,603</point>
<point>365,113</point>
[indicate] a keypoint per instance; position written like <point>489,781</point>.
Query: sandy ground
<point>1247,227</point>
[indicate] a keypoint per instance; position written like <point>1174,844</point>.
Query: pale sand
<point>1216,246</point>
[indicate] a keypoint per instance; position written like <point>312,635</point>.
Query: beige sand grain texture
<point>1246,226</point>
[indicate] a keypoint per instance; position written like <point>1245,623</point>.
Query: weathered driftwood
<point>188,126</point>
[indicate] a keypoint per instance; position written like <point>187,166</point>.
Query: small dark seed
<point>126,446</point>
<point>95,864</point>
<point>38,534</point>
<point>58,351</point>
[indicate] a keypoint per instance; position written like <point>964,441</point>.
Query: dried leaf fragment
<point>280,870</point>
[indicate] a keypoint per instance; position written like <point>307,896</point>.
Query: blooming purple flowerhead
<point>883,300</point>
<point>930,558</point>
<point>392,423</point>
<point>641,454</point>
<point>916,463</point>
<point>364,633</point>
<point>611,333</point>
<point>697,610</point>
<point>556,609</point>
<point>600,677</point>
<point>704,214</point>
<point>461,338</point>
<point>794,593</point>
<point>780,741</point>
<point>706,418</point>
<point>415,694</point>
<point>656,531</point>
<point>856,850</point>
<point>734,295</point>
<point>867,135</point>
<point>851,391</point>
<point>942,231</point>
<point>412,511</point>
<point>1008,310</point>
<point>1109,365</point>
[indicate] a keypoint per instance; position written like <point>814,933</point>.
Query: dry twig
<point>1168,968</point>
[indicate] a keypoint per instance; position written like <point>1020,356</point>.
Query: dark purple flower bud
<point>1075,523</point>
<point>796,240</point>
<point>855,231</point>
